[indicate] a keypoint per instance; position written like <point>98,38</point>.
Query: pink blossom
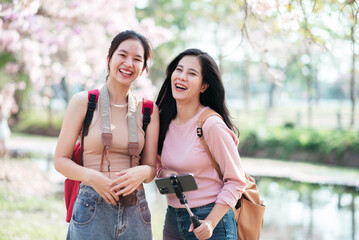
<point>262,7</point>
<point>21,85</point>
<point>69,38</point>
<point>11,68</point>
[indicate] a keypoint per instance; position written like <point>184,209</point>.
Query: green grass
<point>34,216</point>
<point>24,217</point>
<point>31,217</point>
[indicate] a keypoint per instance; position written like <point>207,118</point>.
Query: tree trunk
<point>309,81</point>
<point>352,84</point>
<point>66,90</point>
<point>355,11</point>
<point>310,89</point>
<point>50,116</point>
<point>246,86</point>
<point>271,95</point>
<point>316,86</point>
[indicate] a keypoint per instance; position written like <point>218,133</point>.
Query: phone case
<point>187,182</point>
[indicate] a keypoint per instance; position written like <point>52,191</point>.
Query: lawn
<point>31,208</point>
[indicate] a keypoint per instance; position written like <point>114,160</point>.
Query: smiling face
<point>127,62</point>
<point>187,81</point>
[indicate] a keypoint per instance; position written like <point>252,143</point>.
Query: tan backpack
<point>249,210</point>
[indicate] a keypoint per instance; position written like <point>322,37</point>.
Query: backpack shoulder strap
<point>147,109</point>
<point>202,118</point>
<point>91,106</point>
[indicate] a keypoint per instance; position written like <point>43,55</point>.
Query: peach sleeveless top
<point>118,151</point>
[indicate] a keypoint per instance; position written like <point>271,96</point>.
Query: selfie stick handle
<point>194,218</point>
<point>195,221</point>
<point>179,193</point>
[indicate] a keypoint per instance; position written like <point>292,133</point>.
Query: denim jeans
<point>94,218</point>
<point>177,223</point>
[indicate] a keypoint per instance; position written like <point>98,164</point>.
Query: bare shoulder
<point>78,103</point>
<point>79,99</point>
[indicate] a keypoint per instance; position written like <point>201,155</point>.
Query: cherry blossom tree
<point>67,41</point>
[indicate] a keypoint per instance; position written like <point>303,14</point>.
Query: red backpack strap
<point>94,92</point>
<point>147,109</point>
<point>147,104</point>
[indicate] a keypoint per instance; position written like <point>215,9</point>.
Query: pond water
<point>295,210</point>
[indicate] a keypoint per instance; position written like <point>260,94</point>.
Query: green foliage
<point>171,15</point>
<point>325,146</point>
<point>21,96</point>
<point>5,57</point>
<point>36,122</point>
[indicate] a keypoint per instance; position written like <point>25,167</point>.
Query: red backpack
<point>72,186</point>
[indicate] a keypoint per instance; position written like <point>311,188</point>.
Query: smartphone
<point>187,182</point>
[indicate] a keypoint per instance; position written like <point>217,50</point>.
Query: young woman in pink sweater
<point>193,84</point>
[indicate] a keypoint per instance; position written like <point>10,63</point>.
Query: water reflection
<point>297,210</point>
<point>294,210</point>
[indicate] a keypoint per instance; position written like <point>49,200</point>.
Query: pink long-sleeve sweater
<point>184,153</point>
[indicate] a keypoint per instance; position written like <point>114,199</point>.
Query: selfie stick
<point>179,193</point>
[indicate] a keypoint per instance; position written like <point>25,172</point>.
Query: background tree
<point>350,10</point>
<point>63,44</point>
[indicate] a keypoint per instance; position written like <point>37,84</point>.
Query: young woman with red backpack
<point>117,154</point>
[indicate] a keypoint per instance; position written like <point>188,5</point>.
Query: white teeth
<point>125,72</point>
<point>177,85</point>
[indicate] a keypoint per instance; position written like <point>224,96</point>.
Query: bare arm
<point>71,128</point>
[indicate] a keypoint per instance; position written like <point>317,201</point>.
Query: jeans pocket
<point>145,213</point>
<point>226,227</point>
<point>202,212</point>
<point>84,210</point>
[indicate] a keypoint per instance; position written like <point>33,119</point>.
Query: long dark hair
<point>213,97</point>
<point>130,34</point>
